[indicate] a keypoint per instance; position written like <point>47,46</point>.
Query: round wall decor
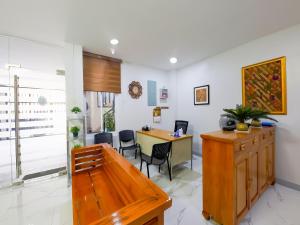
<point>135,89</point>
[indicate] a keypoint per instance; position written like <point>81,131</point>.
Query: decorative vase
<point>227,124</point>
<point>75,135</point>
<point>242,126</point>
<point>256,123</point>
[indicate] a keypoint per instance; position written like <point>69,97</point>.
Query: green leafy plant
<point>240,113</point>
<point>260,114</point>
<point>109,121</point>
<point>76,110</point>
<point>77,146</point>
<point>75,130</point>
<point>244,113</point>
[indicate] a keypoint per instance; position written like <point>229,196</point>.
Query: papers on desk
<point>178,133</point>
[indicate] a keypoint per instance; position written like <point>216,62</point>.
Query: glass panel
<point>108,112</point>
<point>6,143</point>
<point>100,112</point>
<point>42,121</point>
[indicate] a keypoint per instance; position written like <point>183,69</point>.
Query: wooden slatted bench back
<point>88,158</point>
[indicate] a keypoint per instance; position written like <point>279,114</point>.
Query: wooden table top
<point>115,192</point>
<point>231,136</point>
<point>164,134</point>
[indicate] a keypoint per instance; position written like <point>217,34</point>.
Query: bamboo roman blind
<point>101,73</point>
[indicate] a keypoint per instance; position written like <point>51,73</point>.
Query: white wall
<point>135,113</point>
<point>223,74</point>
<point>74,76</point>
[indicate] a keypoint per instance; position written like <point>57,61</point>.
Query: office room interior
<point>149,112</point>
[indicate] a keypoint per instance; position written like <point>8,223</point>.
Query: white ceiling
<point>149,31</point>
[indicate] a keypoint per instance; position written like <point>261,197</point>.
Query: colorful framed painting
<point>264,86</point>
<point>201,95</point>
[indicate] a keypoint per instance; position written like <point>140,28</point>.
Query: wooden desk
<point>182,147</point>
<point>107,189</point>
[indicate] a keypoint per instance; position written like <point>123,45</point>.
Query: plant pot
<point>75,135</point>
<point>242,127</point>
<point>255,123</point>
<point>75,116</point>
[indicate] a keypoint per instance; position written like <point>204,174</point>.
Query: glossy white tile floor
<point>48,202</point>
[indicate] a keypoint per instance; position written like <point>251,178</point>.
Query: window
<point>100,108</point>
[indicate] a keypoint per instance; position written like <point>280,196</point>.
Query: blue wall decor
<point>151,87</point>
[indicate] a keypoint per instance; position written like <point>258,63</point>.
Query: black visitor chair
<point>103,137</point>
<point>127,136</point>
<point>181,124</point>
<point>160,154</point>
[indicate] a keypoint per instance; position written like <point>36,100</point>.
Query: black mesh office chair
<point>181,124</point>
<point>160,154</point>
<point>103,137</point>
<point>127,136</point>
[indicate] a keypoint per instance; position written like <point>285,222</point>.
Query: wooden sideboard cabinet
<point>237,169</point>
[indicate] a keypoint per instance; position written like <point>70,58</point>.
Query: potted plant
<point>260,114</point>
<point>240,114</point>
<point>77,146</point>
<point>109,121</point>
<point>75,130</point>
<point>76,110</point>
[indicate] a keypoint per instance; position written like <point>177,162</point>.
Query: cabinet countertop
<point>231,136</point>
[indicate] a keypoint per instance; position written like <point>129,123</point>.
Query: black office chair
<point>160,154</point>
<point>127,136</point>
<point>103,137</point>
<point>181,124</point>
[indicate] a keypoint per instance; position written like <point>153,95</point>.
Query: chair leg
<point>159,168</point>
<point>148,170</point>
<point>122,152</point>
<point>135,153</point>
<point>141,165</point>
<point>169,170</point>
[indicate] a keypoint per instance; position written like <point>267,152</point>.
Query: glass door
<point>42,123</point>
<point>7,145</point>
<point>33,124</point>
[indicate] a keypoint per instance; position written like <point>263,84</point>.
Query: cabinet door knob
<point>254,140</point>
<point>243,147</point>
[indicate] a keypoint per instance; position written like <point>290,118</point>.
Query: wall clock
<point>135,89</point>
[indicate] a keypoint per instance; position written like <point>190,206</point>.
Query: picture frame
<point>163,93</point>
<point>201,95</point>
<point>264,86</point>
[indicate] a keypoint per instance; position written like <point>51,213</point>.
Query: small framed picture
<point>163,93</point>
<point>201,95</point>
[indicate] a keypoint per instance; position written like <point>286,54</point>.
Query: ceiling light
<point>114,41</point>
<point>173,60</point>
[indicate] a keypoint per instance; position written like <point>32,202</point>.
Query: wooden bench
<point>107,189</point>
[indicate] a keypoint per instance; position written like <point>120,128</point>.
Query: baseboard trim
<point>288,184</point>
<point>44,173</point>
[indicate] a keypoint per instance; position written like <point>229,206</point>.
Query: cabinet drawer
<point>248,144</point>
<point>268,136</point>
<point>243,146</point>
